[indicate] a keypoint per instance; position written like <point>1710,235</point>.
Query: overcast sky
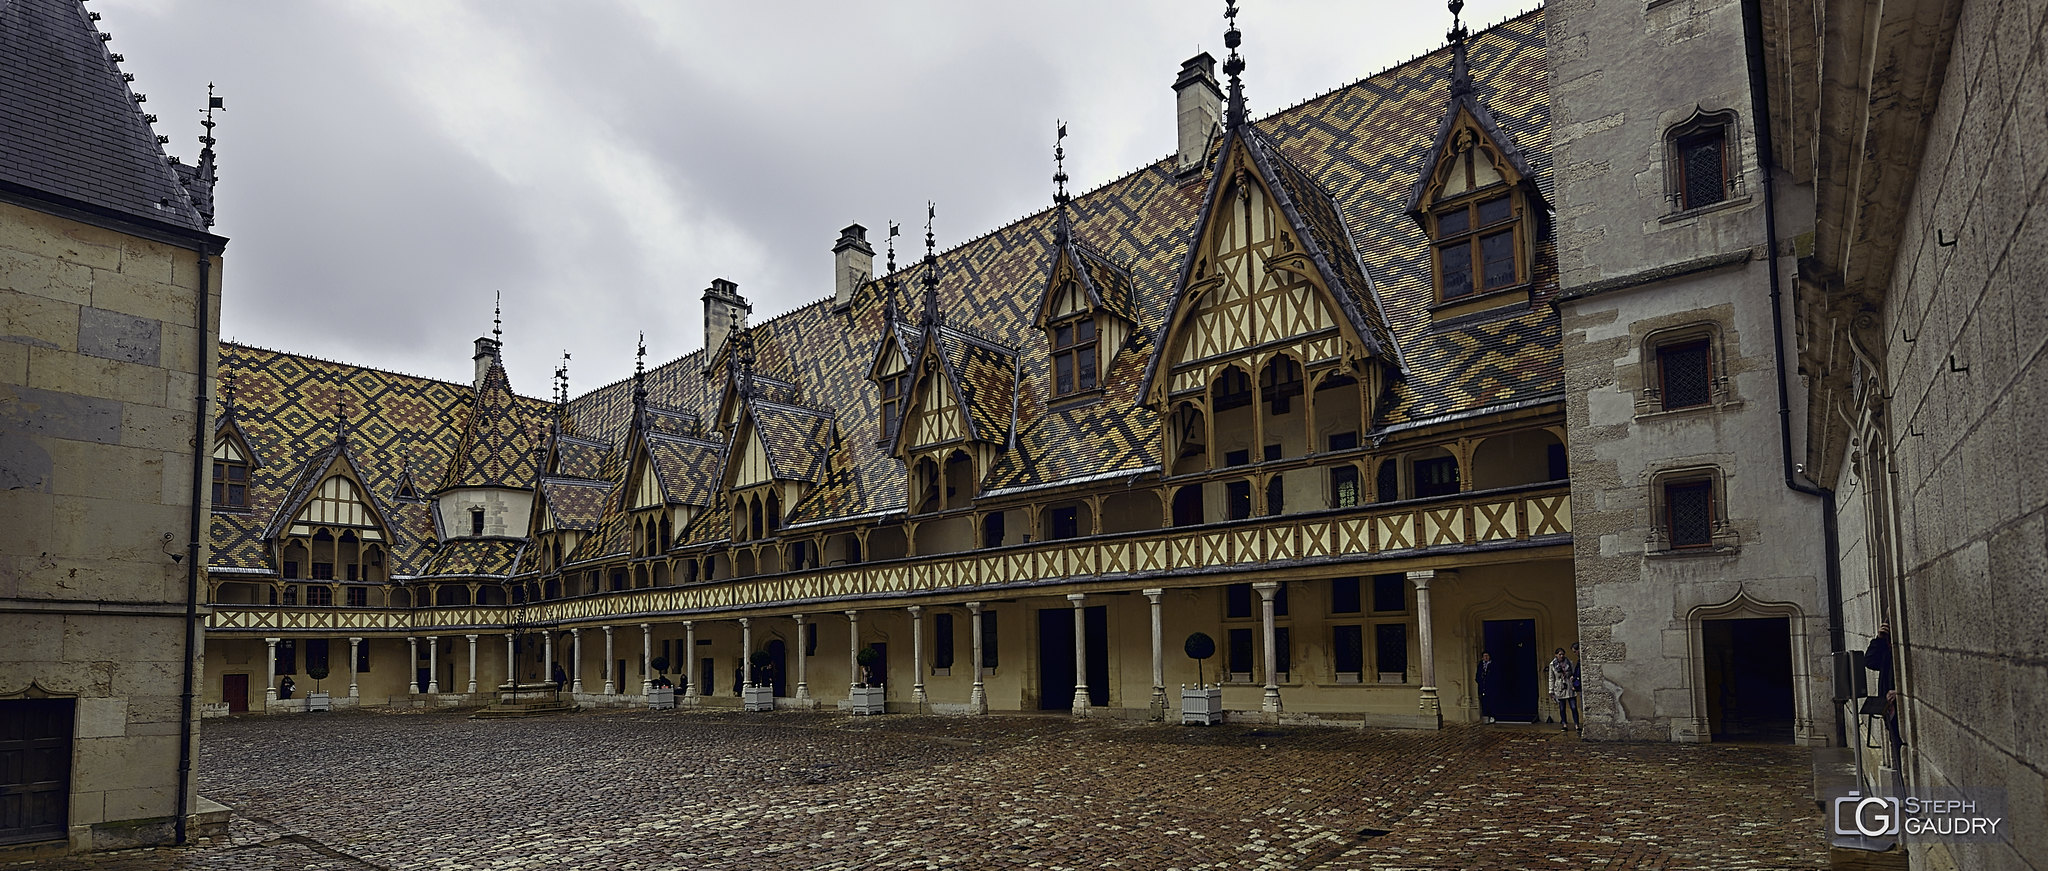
<point>386,167</point>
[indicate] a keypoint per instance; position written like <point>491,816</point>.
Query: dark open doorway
<point>778,656</point>
<point>1513,645</point>
<point>1748,678</point>
<point>35,769</point>
<point>1056,657</point>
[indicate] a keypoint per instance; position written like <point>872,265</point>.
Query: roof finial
<point>640,378</point>
<point>205,173</point>
<point>1062,230</point>
<point>562,382</point>
<point>931,266</point>
<point>340,419</point>
<point>1233,65</point>
<point>498,326</point>
<point>227,394</point>
<point>1461,70</point>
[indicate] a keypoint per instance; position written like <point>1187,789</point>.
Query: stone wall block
<point>63,372</point>
<point>38,321</point>
<point>35,233</point>
<point>154,427</point>
<point>143,297</point>
<point>40,276</point>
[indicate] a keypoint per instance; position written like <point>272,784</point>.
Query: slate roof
<point>575,504</point>
<point>71,127</point>
<point>499,442</point>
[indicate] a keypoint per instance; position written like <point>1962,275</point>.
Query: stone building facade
<point>109,313</point>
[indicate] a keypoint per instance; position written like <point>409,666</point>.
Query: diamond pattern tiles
<point>500,445</point>
<point>287,406</point>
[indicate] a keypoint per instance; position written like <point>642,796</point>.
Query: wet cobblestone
<point>700,789</point>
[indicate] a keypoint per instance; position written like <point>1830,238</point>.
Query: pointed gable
<point>328,491</point>
<point>497,448</point>
<point>69,125</point>
<point>1264,220</point>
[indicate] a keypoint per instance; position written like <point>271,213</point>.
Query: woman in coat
<point>1564,689</point>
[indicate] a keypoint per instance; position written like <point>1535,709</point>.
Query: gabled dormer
<point>1478,202</point>
<point>890,371</point>
<point>1087,316</point>
<point>234,459</point>
<point>328,528</point>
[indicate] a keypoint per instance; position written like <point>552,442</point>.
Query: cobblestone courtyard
<point>699,789</point>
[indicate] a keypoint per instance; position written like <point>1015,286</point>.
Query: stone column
<point>353,645</point>
<point>611,681</point>
<point>511,661</point>
<point>1270,703</point>
<point>433,665</point>
<point>977,702</point>
<point>472,664</point>
<point>746,651</point>
<point>1158,653</point>
<point>917,695</point>
<point>270,685</point>
<point>1430,705</point>
<point>646,659</point>
<point>689,658</point>
<point>547,659</point>
<point>1081,702</point>
<point>576,660</point>
<point>803,686</point>
<point>412,665</point>
<point>852,651</point>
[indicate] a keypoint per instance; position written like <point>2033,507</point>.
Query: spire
<point>203,177</point>
<point>498,327</point>
<point>745,356</point>
<point>227,395</point>
<point>1063,230</point>
<point>640,381</point>
<point>340,420</point>
<point>931,266</point>
<point>1234,65</point>
<point>562,392</point>
<point>1461,70</point>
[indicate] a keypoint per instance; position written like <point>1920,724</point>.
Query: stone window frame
<point>1722,537</point>
<point>1650,399</point>
<point>1702,122</point>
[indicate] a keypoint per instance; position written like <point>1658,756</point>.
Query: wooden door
<point>35,769</point>
<point>234,689</point>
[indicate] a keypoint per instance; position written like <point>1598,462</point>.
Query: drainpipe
<point>1760,110</point>
<point>201,439</point>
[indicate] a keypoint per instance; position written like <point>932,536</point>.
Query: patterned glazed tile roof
<point>797,438</point>
<point>70,126</point>
<point>578,457</point>
<point>984,381</point>
<point>575,504</point>
<point>688,468</point>
<point>285,406</point>
<point>499,442</point>
<point>494,557</point>
<point>1346,162</point>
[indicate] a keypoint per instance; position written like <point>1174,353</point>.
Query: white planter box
<point>661,698</point>
<point>1201,706</point>
<point>760,697</point>
<point>319,702</point>
<point>868,700</point>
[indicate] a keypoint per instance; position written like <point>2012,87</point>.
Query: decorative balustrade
<point>1520,516</point>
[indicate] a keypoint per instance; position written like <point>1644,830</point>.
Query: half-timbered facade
<point>1273,392</point>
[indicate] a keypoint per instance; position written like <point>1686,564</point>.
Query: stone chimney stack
<point>486,354</point>
<point>724,311</point>
<point>853,262</point>
<point>1199,105</point>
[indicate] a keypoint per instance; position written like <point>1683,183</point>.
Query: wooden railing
<point>1536,515</point>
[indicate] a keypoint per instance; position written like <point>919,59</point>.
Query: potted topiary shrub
<point>1202,705</point>
<point>661,695</point>
<point>868,691</point>
<point>317,700</point>
<point>760,692</point>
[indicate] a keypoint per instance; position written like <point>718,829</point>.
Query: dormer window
<point>1477,249</point>
<point>895,390</point>
<point>1073,356</point>
<point>230,475</point>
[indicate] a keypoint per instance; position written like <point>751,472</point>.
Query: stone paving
<point>804,790</point>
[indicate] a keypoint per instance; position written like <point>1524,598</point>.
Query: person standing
<point>1562,689</point>
<point>285,687</point>
<point>1483,683</point>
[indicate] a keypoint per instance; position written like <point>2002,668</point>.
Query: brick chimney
<point>724,311</point>
<point>853,262</point>
<point>1199,106</point>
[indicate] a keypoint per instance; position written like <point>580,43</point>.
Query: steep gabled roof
<point>687,467</point>
<point>574,504</point>
<point>316,468</point>
<point>70,128</point>
<point>796,438</point>
<point>497,448</point>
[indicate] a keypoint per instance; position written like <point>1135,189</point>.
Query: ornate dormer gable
<point>890,371</point>
<point>233,459</point>
<point>1087,316</point>
<point>1478,202</point>
<point>1271,270</point>
<point>777,453</point>
<point>329,528</point>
